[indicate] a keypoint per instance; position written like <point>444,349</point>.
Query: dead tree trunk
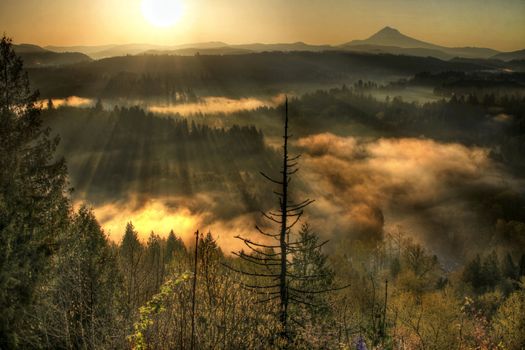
<point>192,344</point>
<point>272,260</point>
<point>283,285</point>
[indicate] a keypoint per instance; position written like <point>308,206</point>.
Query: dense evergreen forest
<point>65,285</point>
<point>167,76</point>
<point>111,153</point>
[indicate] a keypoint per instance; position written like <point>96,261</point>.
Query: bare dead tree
<point>194,288</point>
<point>271,260</point>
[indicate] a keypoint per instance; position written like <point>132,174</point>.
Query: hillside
<point>233,75</point>
<point>509,56</point>
<point>386,41</point>
<point>36,56</point>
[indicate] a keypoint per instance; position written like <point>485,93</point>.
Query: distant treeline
<point>468,83</point>
<point>489,120</point>
<point>110,153</point>
<point>234,75</point>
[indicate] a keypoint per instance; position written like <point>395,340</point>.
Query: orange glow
<point>493,23</point>
<point>162,13</point>
<point>153,216</point>
<point>213,105</point>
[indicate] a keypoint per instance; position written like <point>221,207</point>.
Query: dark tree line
<point>33,202</point>
<point>65,285</point>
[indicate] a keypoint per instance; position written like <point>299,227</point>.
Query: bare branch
<point>260,251</point>
<point>249,259</point>
<point>318,291</point>
<point>295,214</point>
<point>261,292</point>
<point>256,257</point>
<point>270,179</point>
<point>266,300</point>
<point>295,221</point>
<point>246,240</point>
<point>250,273</point>
<point>273,235</point>
<point>270,218</point>
<point>293,206</point>
<point>260,287</point>
<point>306,277</point>
<point>302,302</point>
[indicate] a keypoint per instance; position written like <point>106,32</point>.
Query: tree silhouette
<point>274,276</point>
<point>33,207</point>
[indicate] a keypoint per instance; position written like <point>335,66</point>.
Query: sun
<point>162,13</point>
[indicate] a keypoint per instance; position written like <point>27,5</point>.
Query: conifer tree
<point>87,284</point>
<point>131,260</point>
<point>33,206</point>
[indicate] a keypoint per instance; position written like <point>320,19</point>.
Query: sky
<point>498,24</point>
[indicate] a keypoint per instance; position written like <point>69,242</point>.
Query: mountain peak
<point>388,29</point>
<point>389,36</point>
<point>387,33</point>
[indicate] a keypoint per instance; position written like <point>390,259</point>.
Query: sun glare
<point>162,13</point>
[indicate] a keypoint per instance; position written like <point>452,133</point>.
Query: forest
<point>237,75</point>
<point>299,279</point>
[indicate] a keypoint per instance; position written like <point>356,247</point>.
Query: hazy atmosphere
<point>232,174</point>
<point>496,24</point>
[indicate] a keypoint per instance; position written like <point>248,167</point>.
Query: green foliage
<point>85,286</point>
<point>152,308</point>
<point>63,284</point>
<point>311,318</point>
<point>509,322</point>
<point>131,256</point>
<point>472,273</point>
<point>33,207</point>
<point>174,247</point>
<point>309,260</point>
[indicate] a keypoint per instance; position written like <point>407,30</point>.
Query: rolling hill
<point>510,56</point>
<point>233,75</point>
<point>36,56</point>
<point>386,41</point>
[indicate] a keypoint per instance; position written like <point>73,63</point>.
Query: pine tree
<point>33,206</point>
<point>509,269</point>
<point>154,264</point>
<point>131,257</point>
<point>174,252</point>
<point>490,270</point>
<point>472,273</point>
<point>522,265</point>
<point>314,317</point>
<point>86,286</point>
<point>311,261</point>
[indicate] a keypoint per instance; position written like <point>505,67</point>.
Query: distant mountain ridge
<point>509,56</point>
<point>391,37</point>
<point>36,56</point>
<point>386,41</point>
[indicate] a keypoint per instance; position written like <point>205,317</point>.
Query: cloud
<point>366,185</point>
<point>362,187</point>
<point>183,215</point>
<point>216,105</point>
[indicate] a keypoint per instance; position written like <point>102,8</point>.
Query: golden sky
<point>498,24</point>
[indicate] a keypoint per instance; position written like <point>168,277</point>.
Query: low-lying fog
<point>225,105</point>
<point>362,188</point>
<point>364,184</point>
